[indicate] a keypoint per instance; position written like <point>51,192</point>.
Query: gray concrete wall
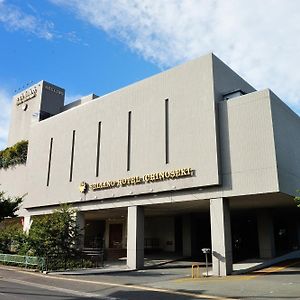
<point>20,120</point>
<point>286,125</point>
<point>229,144</point>
<point>14,182</point>
<point>247,144</point>
<point>48,99</point>
<point>192,138</point>
<point>226,80</point>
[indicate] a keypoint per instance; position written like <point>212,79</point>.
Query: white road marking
<point>135,287</point>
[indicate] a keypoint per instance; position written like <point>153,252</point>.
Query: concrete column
<point>266,239</point>
<point>80,222</point>
<point>135,237</point>
<point>186,236</point>
<point>27,222</point>
<point>221,237</point>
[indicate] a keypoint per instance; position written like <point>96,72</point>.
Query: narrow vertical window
<point>167,130</point>
<point>72,156</point>
<point>49,161</point>
<point>98,149</point>
<point>129,141</point>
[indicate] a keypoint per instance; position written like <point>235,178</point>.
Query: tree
<point>56,234</point>
<point>8,205</point>
<point>11,236</point>
<point>14,155</point>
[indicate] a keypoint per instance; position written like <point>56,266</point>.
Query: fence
<point>55,262</point>
<point>23,260</point>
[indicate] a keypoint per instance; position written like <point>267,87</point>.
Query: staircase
<point>94,254</point>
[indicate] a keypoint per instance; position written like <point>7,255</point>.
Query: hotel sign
<point>27,95</point>
<point>54,90</point>
<point>147,178</point>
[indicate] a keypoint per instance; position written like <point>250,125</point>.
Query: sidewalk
<point>278,282</point>
<point>239,268</point>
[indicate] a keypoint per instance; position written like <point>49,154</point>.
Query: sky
<point>98,46</point>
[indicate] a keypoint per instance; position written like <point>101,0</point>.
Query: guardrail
<point>23,260</point>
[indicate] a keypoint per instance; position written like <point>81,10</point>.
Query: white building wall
<point>230,144</point>
<point>287,144</point>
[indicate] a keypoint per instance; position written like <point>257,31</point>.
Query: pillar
<point>186,236</point>
<point>80,223</point>
<point>265,230</point>
<point>135,237</point>
<point>221,236</point>
<point>27,221</point>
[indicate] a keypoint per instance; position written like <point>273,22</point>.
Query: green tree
<point>11,236</point>
<point>8,205</point>
<point>56,234</point>
<point>14,155</point>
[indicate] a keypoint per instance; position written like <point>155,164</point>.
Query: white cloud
<point>258,39</point>
<point>5,104</point>
<point>15,19</point>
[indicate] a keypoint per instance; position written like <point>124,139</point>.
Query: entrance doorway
<point>94,234</point>
<point>244,236</point>
<point>115,235</point>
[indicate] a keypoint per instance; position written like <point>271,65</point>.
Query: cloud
<point>5,104</point>
<point>258,39</point>
<point>15,19</point>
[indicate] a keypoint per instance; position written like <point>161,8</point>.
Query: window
<point>98,149</point>
<point>49,161</point>
<point>72,156</point>
<point>129,141</point>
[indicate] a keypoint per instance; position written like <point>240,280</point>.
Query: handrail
<point>23,260</point>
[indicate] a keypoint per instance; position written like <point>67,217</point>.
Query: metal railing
<point>23,260</point>
<point>90,259</point>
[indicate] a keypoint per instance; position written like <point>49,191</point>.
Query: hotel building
<point>191,158</point>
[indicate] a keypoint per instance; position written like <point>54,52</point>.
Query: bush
<point>11,236</point>
<point>74,262</point>
<point>55,237</point>
<point>14,155</point>
<point>55,234</point>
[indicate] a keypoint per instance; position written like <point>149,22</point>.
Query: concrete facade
<point>221,236</point>
<point>161,148</point>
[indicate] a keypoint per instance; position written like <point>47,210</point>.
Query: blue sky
<point>98,46</point>
<point>67,51</point>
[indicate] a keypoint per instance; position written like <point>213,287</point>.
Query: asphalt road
<point>17,285</point>
<point>278,282</point>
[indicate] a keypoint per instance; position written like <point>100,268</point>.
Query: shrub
<point>14,155</point>
<point>55,234</point>
<point>11,236</point>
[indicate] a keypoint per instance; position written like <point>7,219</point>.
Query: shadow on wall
<point>220,258</point>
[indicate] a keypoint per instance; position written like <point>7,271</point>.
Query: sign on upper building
<point>34,104</point>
